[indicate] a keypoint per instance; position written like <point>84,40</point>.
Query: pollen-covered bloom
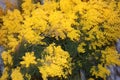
<point>28,59</point>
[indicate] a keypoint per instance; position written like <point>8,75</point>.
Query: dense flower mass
<point>55,62</point>
<point>58,39</point>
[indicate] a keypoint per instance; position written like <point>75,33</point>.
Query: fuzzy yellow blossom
<point>12,43</point>
<point>68,6</point>
<point>31,36</point>
<point>81,48</point>
<point>36,22</point>
<point>72,36</point>
<point>4,74</point>
<point>110,56</point>
<point>23,26</point>
<point>61,24</point>
<point>2,35</point>
<point>99,21</point>
<point>28,6</point>
<point>28,59</point>
<point>16,74</point>
<point>7,58</point>
<point>101,71</point>
<point>11,19</point>
<point>100,27</point>
<point>56,63</point>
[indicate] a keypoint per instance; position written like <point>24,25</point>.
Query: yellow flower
<point>110,56</point>
<point>16,74</point>
<point>100,71</point>
<point>74,34</point>
<point>56,62</point>
<point>66,5</point>
<point>7,58</point>
<point>28,59</point>
<point>81,48</point>
<point>4,74</point>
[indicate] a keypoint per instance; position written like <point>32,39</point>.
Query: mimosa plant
<point>57,39</point>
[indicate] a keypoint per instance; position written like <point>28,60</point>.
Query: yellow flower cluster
<point>37,22</point>
<point>81,48</point>
<point>7,58</point>
<point>5,76</point>
<point>55,62</point>
<point>16,74</point>
<point>110,56</point>
<point>99,22</point>
<point>94,24</point>
<point>9,34</point>
<point>100,71</point>
<point>28,59</point>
